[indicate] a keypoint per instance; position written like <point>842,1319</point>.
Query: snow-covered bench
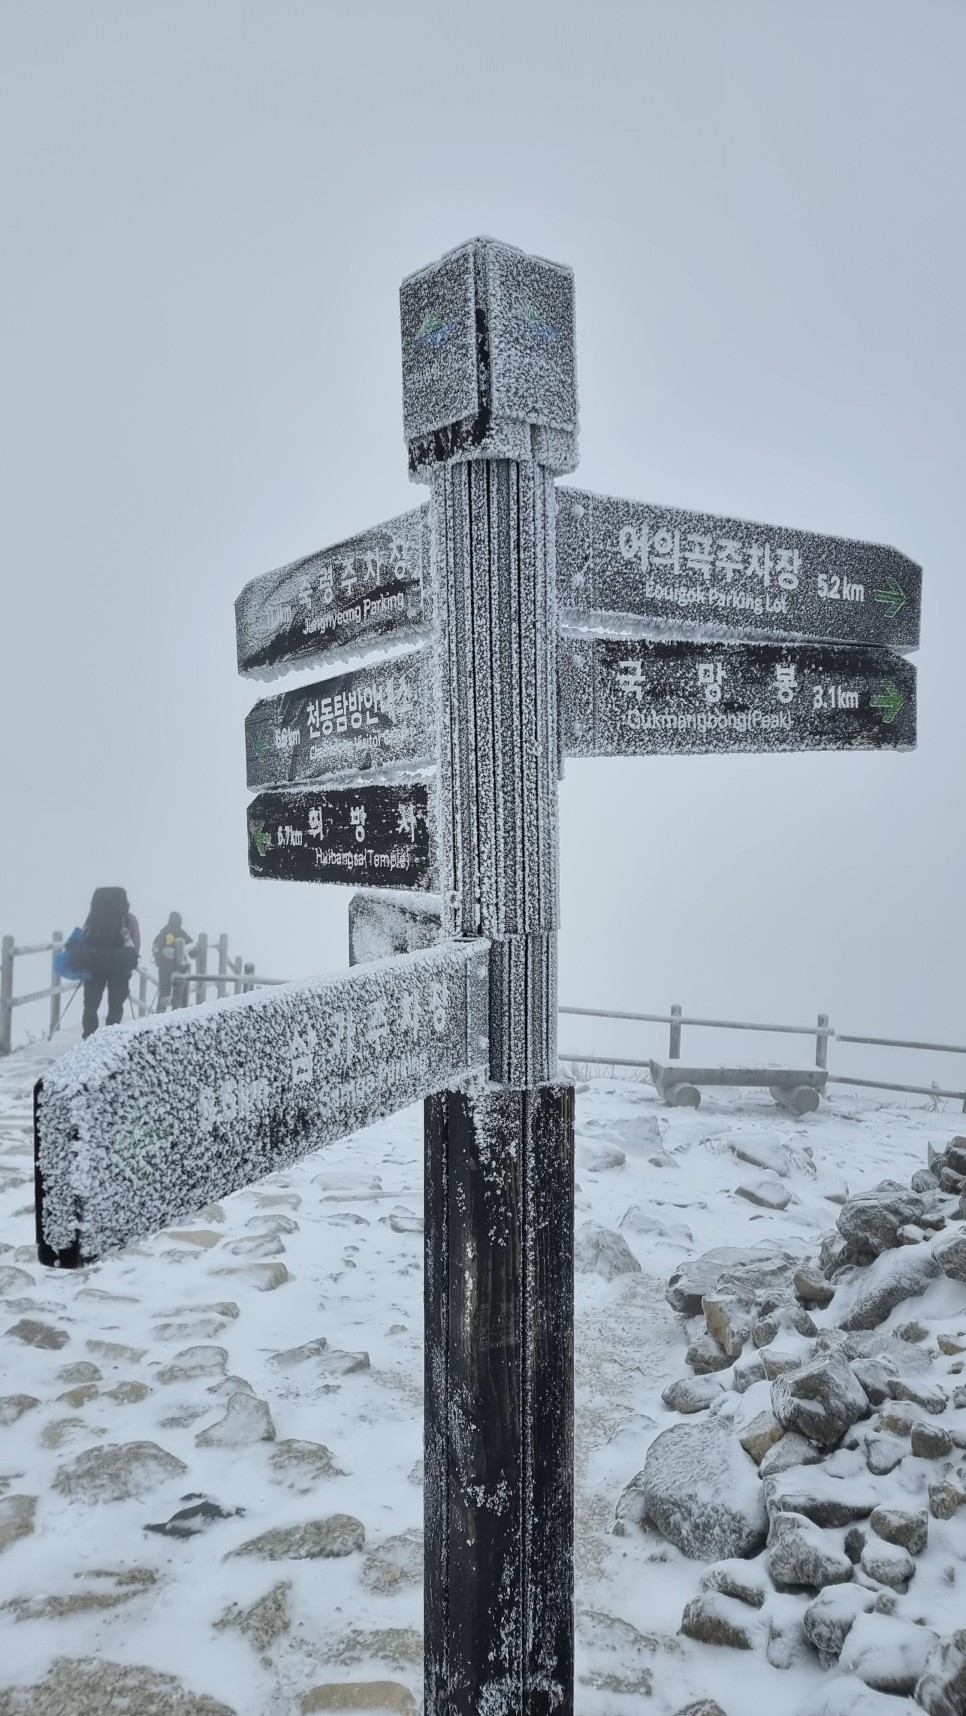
<point>796,1089</point>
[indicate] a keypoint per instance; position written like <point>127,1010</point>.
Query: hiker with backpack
<point>107,955</point>
<point>164,952</point>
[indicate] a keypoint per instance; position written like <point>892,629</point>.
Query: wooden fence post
<point>222,964</point>
<point>201,966</point>
<point>674,1043</point>
<point>179,980</point>
<point>142,993</point>
<point>249,971</point>
<point>821,1041</point>
<point>56,942</point>
<point>6,993</point>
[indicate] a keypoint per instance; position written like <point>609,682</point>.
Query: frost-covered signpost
<point>436,771</point>
<point>490,410</point>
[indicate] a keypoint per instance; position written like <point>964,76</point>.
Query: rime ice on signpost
<point>436,771</point>
<point>490,409</point>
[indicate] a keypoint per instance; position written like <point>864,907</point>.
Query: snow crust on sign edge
<point>348,658</point>
<point>726,518</point>
<point>105,1053</point>
<point>421,773</point>
<point>409,516</point>
<point>428,905</point>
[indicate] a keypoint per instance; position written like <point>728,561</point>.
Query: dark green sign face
<point>634,698</point>
<point>372,718</point>
<point>367,836</point>
<point>677,571</point>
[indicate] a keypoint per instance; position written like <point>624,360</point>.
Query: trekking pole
<point>59,1025</point>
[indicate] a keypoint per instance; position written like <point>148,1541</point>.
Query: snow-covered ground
<point>137,1349</point>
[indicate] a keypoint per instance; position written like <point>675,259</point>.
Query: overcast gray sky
<point>207,209</point>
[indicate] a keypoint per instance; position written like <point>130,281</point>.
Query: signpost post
<point>490,414</point>
<point>437,769</point>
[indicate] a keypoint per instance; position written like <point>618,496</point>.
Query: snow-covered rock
<point>692,1393</point>
<point>942,1688</point>
<point>747,1581</point>
<point>117,1471</point>
<point>728,1321</point>
<point>822,1400</point>
<point>846,1695</point>
<point>768,1192</point>
<point>811,1286</point>
<point>793,1450</point>
<point>830,1617</point>
<point>868,1299</point>
<point>247,1420</point>
<point>889,1563</point>
<point>338,1534</point>
<point>699,1276</point>
<point>824,1498</point>
<point>870,1223</point>
<point>760,1435</point>
<point>16,1518</point>
<point>701,1490</point>
<point>719,1620</point>
<point>704,1355</point>
<point>801,1554</point>
<point>600,1251</point>
<point>88,1686</point>
<point>950,1254</point>
<point>904,1526</point>
<point>887,1653</point>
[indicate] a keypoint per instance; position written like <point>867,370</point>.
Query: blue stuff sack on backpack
<point>69,960</point>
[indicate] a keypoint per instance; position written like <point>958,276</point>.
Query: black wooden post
<point>56,943</point>
<point>498,1450</point>
<point>674,1036</point>
<point>6,994</point>
<point>222,964</point>
<point>490,408</point>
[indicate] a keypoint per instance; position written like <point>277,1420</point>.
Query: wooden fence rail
<point>236,975</point>
<point>821,1031</point>
<point>231,974</point>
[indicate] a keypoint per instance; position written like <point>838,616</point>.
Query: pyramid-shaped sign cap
<point>488,359</point>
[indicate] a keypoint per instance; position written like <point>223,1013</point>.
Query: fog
<point>207,209</point>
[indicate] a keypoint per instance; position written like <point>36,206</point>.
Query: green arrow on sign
<point>893,598</point>
<point>889,699</point>
<point>262,840</point>
<point>259,745</point>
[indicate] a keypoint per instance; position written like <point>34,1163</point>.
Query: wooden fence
<point>820,1032</point>
<point>230,974</point>
<point>238,975</point>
